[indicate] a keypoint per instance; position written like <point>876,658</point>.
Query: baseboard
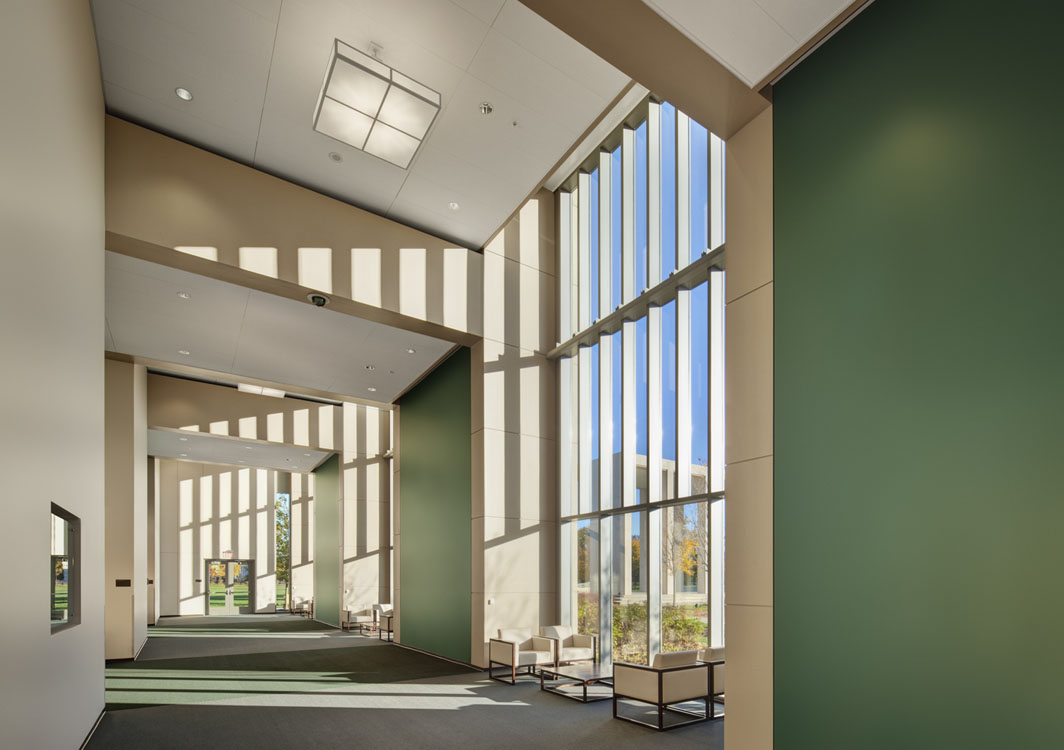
<point>92,731</point>
<point>460,663</point>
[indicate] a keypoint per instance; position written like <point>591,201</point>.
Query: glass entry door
<point>229,587</point>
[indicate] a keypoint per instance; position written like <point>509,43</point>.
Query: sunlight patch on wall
<point>412,275</point>
<point>315,268</point>
<point>259,260</point>
<point>366,275</point>
<point>208,253</point>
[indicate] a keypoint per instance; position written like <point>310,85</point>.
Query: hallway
<point>284,682</point>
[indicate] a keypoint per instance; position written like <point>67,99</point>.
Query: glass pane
<point>641,410</point>
<point>618,424</point>
<point>685,557</point>
<point>241,579</point>
<point>699,388</point>
<point>593,198</point>
<point>629,588</point>
<point>668,401</point>
<point>587,569</point>
<point>595,484</point>
<point>640,208</point>
<point>668,190</point>
<point>283,523</point>
<point>216,586</point>
<point>61,548</point>
<point>699,190</point>
<point>615,231</point>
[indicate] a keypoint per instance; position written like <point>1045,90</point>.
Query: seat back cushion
<point>515,635</point>
<point>675,659</point>
<point>561,632</point>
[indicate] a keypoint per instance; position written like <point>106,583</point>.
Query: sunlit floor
<point>280,681</point>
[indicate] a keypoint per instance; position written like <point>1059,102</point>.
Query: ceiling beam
<point>647,48</point>
<point>167,256</point>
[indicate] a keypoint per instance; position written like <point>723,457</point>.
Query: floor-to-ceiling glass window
<point>641,367</point>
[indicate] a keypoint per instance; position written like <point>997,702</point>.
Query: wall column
<point>748,378</point>
<point>126,510</point>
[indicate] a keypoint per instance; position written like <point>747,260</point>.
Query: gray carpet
<point>284,682</point>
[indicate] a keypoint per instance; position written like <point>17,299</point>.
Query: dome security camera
<point>318,300</point>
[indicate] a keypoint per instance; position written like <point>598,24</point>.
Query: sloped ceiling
<point>255,68</point>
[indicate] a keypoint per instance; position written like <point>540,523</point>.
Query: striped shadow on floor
<point>284,682</point>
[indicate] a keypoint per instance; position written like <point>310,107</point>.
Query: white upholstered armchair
<point>517,648</point>
<point>569,646</point>
<point>672,678</point>
<point>385,621</point>
<point>359,617</point>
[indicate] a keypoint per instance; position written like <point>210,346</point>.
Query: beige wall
<point>206,511</point>
<point>748,377</point>
<point>126,510</point>
<point>515,514</point>
<point>51,402</point>
<point>168,193</point>
<point>359,434</point>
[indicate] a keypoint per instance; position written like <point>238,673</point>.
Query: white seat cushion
<point>534,657</point>
<point>576,654</point>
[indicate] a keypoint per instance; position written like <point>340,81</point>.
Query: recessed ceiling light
<point>336,157</point>
<point>183,93</point>
<point>184,295</point>
<point>249,448</point>
<point>370,367</point>
<point>453,205</point>
<point>486,108</point>
<point>307,455</point>
<point>184,352</point>
<point>371,389</point>
<point>183,455</point>
<point>411,351</point>
<point>183,440</point>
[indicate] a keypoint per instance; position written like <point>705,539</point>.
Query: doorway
<point>229,589</point>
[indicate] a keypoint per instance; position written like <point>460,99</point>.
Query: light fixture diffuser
<point>371,107</point>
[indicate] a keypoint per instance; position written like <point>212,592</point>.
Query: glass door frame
<point>230,606</point>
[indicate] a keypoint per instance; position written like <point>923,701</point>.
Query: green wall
<point>918,382</point>
<point>327,541</point>
<point>435,563</point>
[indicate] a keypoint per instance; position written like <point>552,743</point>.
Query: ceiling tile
<point>442,28</point>
<point>485,10</point>
<point>803,20</point>
<point>536,85</point>
<point>221,53</point>
<point>181,125</point>
<point>549,43</point>
<point>738,33</point>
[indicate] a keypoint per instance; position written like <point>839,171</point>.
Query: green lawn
<point>60,599</point>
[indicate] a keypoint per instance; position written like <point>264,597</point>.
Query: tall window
<point>641,311</point>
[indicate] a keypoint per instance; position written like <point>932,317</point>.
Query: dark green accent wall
<point>327,541</point>
<point>435,484</point>
<point>918,382</point>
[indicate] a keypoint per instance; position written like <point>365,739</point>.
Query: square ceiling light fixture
<point>366,104</point>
